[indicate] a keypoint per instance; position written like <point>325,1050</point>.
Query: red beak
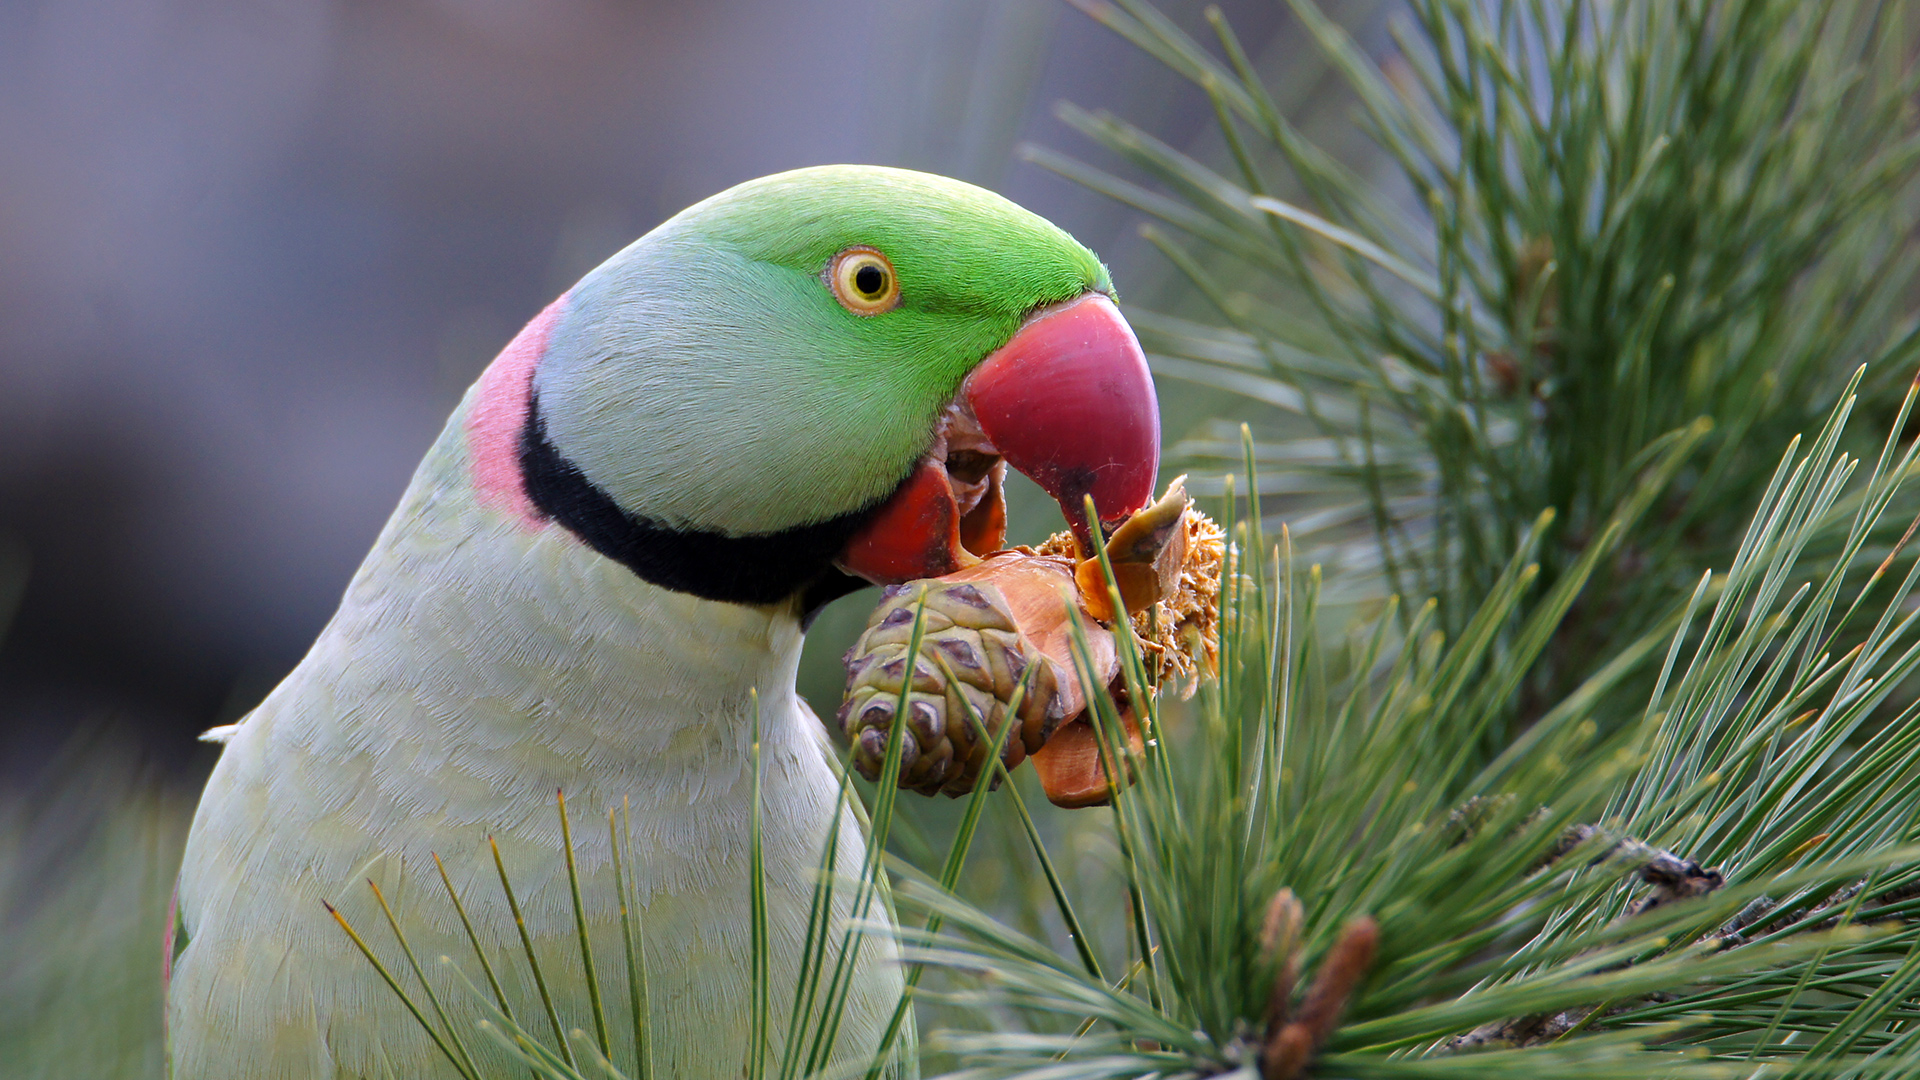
<point>1069,402</point>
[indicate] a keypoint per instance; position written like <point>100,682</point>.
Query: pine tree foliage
<point>1587,231</point>
<point>1626,253</point>
<point>87,861</point>
<point>1723,888</point>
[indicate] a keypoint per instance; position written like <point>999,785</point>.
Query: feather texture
<point>467,677</point>
<point>702,381</point>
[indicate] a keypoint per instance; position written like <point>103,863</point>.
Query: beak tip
<point>1069,401</point>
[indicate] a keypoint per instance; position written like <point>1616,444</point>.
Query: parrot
<point>597,584</point>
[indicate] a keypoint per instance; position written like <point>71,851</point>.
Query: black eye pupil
<point>870,280</point>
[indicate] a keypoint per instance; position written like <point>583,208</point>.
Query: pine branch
<point>1645,903</point>
<point>1623,221</point>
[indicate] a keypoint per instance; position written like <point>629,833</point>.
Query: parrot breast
<point>476,666</point>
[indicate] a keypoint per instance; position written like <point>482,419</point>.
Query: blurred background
<point>254,253</point>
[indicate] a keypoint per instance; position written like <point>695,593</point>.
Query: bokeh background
<point>254,252</point>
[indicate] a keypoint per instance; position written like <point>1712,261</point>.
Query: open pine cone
<point>1004,624</point>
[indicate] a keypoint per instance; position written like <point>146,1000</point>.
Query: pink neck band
<point>500,412</point>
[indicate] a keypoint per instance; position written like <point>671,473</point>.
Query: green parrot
<point>603,567</point>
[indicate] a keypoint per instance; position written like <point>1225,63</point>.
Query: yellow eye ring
<point>863,281</point>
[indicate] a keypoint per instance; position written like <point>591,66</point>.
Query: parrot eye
<point>863,281</point>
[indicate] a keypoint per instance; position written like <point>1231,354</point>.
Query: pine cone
<point>972,657</point>
<point>1009,620</point>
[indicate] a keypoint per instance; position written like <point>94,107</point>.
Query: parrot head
<point>817,379</point>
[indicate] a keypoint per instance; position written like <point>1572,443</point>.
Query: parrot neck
<point>515,469</point>
<point>562,667</point>
<point>753,569</point>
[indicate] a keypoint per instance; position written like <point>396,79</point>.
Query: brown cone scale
<point>1007,622</point>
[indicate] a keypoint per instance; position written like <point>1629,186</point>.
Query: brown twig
<point>1673,877</point>
<point>1734,932</point>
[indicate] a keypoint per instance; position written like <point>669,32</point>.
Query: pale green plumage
<point>727,299</point>
<point>464,681</point>
<point>480,662</point>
